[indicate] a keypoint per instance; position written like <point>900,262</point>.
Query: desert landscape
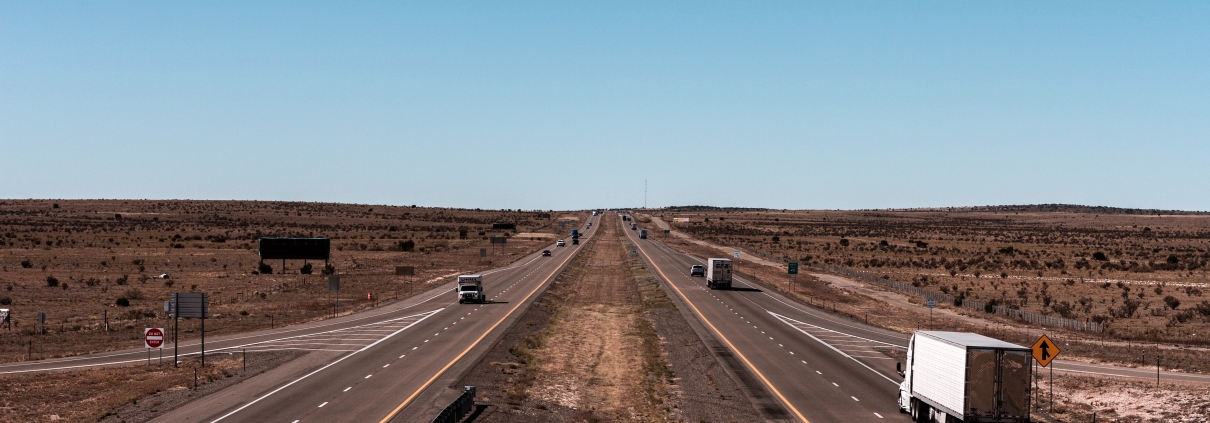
<point>95,267</point>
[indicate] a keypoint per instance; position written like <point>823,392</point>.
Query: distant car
<point>697,270</point>
<point>560,243</point>
<point>546,253</point>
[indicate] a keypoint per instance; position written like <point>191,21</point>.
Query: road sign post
<point>189,305</point>
<point>153,338</point>
<point>931,304</point>
<point>41,332</point>
<point>334,286</point>
<point>1045,350</point>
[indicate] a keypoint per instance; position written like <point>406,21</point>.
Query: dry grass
<point>97,257</point>
<point>894,310</point>
<point>1032,258</point>
<point>585,360</point>
<point>1077,397</point>
<point>89,395</point>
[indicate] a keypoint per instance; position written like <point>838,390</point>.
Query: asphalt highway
<point>820,367</point>
<point>392,363</point>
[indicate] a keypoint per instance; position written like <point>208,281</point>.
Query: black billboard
<point>504,226</point>
<point>295,248</point>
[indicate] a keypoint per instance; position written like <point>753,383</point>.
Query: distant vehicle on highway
<point>470,289</point>
<point>634,226</point>
<point>643,234</point>
<point>560,243</point>
<point>718,273</point>
<point>575,241</point>
<point>964,377</point>
<point>697,270</point>
<point>546,253</point>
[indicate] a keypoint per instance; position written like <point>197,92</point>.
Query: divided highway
<point>392,363</point>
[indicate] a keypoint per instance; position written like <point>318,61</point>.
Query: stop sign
<point>153,337</point>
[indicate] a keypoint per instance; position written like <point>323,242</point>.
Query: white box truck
<point>470,289</point>
<point>965,377</point>
<point>718,273</point>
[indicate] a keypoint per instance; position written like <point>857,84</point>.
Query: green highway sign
<point>792,268</point>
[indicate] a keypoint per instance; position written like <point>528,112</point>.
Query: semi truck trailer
<point>964,377</point>
<point>718,273</point>
<point>470,289</point>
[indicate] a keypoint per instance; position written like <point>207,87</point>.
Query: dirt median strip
<point>604,344</point>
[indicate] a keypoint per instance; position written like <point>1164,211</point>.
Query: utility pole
<point>644,194</point>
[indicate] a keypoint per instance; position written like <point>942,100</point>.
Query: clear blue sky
<point>564,105</point>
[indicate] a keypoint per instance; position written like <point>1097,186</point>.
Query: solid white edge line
<point>241,408</point>
<point>779,317</point>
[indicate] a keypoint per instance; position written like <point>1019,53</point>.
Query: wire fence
<point>1030,317</point>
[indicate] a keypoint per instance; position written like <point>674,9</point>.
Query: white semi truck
<point>470,289</point>
<point>718,273</point>
<point>965,377</point>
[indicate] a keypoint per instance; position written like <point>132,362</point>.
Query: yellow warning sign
<point>1045,350</point>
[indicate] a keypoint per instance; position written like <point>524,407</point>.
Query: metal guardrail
<point>1030,317</point>
<point>459,409</point>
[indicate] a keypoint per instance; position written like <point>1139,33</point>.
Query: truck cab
<point>470,289</point>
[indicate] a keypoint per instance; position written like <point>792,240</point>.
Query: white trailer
<point>965,377</point>
<point>718,273</point>
<point>470,289</point>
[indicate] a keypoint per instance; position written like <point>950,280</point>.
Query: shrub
<point>122,302</point>
<point>306,269</point>
<point>134,294</point>
<point>844,242</point>
<point>329,269</point>
<point>264,268</point>
<point>6,301</point>
<point>52,281</point>
<point>1203,308</point>
<point>122,280</point>
<point>1172,302</point>
<point>168,283</point>
<point>1099,256</point>
<point>26,264</point>
<point>407,245</point>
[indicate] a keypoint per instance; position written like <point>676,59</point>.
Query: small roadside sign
<point>1045,350</point>
<point>153,338</point>
<point>482,252</point>
<point>735,254</point>
<point>931,303</point>
<point>41,318</point>
<point>666,231</point>
<point>792,268</point>
<point>333,283</point>
<point>405,270</point>
<point>634,250</point>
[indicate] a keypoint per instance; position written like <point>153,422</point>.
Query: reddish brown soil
<point>74,260</point>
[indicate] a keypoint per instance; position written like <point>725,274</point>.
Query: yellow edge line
<point>472,346</point>
<point>720,335</point>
